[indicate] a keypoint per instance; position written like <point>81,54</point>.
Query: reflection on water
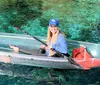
<point>44,76</point>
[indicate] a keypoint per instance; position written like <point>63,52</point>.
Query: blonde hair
<point>49,36</point>
<point>52,39</point>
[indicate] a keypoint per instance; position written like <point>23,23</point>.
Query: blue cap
<point>54,22</point>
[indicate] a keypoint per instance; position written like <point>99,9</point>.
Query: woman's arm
<point>60,44</point>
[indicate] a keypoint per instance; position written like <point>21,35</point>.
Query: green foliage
<point>19,13</point>
<point>96,33</point>
<point>34,28</point>
<point>24,13</point>
<point>75,17</point>
<point>85,34</point>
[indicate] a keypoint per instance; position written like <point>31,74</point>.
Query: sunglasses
<point>53,26</point>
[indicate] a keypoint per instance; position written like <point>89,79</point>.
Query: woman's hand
<point>44,47</point>
<point>16,49</point>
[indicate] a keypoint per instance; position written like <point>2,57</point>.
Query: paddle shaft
<point>41,42</point>
<point>32,36</point>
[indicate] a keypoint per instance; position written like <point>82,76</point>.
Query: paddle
<point>31,36</point>
<point>41,42</point>
<point>59,53</point>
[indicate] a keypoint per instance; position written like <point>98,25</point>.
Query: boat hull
<point>40,61</point>
<point>31,46</point>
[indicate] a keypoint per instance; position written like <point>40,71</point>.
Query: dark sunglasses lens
<point>53,26</point>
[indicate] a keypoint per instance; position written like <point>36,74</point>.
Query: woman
<point>55,39</point>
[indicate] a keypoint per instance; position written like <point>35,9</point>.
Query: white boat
<point>32,57</point>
